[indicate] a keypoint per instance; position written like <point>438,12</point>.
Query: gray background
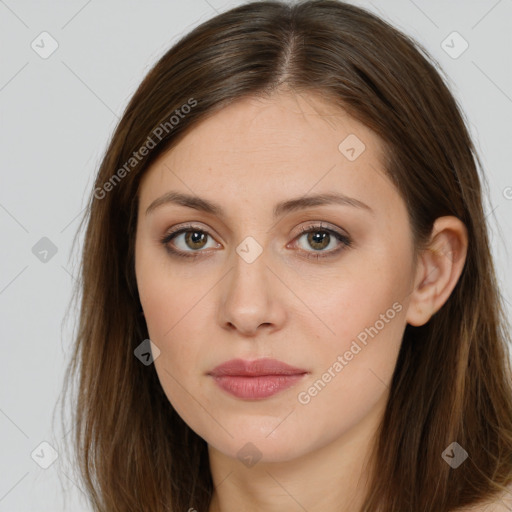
<point>56,117</point>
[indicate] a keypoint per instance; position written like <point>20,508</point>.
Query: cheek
<point>169,316</point>
<point>171,326</point>
<point>172,303</point>
<point>166,296</point>
<point>365,344</point>
<point>353,370</point>
<point>355,360</point>
<point>367,297</point>
<point>172,316</point>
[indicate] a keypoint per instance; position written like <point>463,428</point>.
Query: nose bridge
<point>249,275</point>
<point>249,299</point>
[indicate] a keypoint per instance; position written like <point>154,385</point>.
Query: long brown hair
<point>452,380</point>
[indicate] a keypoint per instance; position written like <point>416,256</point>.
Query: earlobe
<point>438,270</point>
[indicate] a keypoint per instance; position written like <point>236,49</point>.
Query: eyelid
<point>321,225</point>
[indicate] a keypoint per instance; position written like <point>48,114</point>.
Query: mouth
<point>256,380</point>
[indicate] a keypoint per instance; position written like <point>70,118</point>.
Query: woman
<point>288,297</point>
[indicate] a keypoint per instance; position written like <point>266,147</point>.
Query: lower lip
<point>253,388</point>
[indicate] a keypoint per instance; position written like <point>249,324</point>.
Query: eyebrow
<point>290,205</point>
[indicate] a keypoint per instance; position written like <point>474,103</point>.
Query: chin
<point>255,440</point>
<point>251,452</point>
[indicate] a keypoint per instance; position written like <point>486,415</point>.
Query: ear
<point>438,269</point>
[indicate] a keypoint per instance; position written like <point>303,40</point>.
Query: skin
<point>305,312</point>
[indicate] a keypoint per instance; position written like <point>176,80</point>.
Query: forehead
<point>285,145</point>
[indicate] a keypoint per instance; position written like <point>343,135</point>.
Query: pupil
<point>195,237</point>
<point>316,239</point>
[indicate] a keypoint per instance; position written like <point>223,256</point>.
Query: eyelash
<point>345,241</point>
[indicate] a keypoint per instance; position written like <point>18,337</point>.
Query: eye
<point>194,238</point>
<point>188,241</point>
<point>320,238</point>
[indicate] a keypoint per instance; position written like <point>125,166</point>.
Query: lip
<point>258,379</point>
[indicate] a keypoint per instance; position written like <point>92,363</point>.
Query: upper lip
<point>258,367</point>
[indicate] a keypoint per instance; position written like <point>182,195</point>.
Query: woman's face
<point>272,270</point>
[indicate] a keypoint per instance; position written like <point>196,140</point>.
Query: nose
<point>251,298</point>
